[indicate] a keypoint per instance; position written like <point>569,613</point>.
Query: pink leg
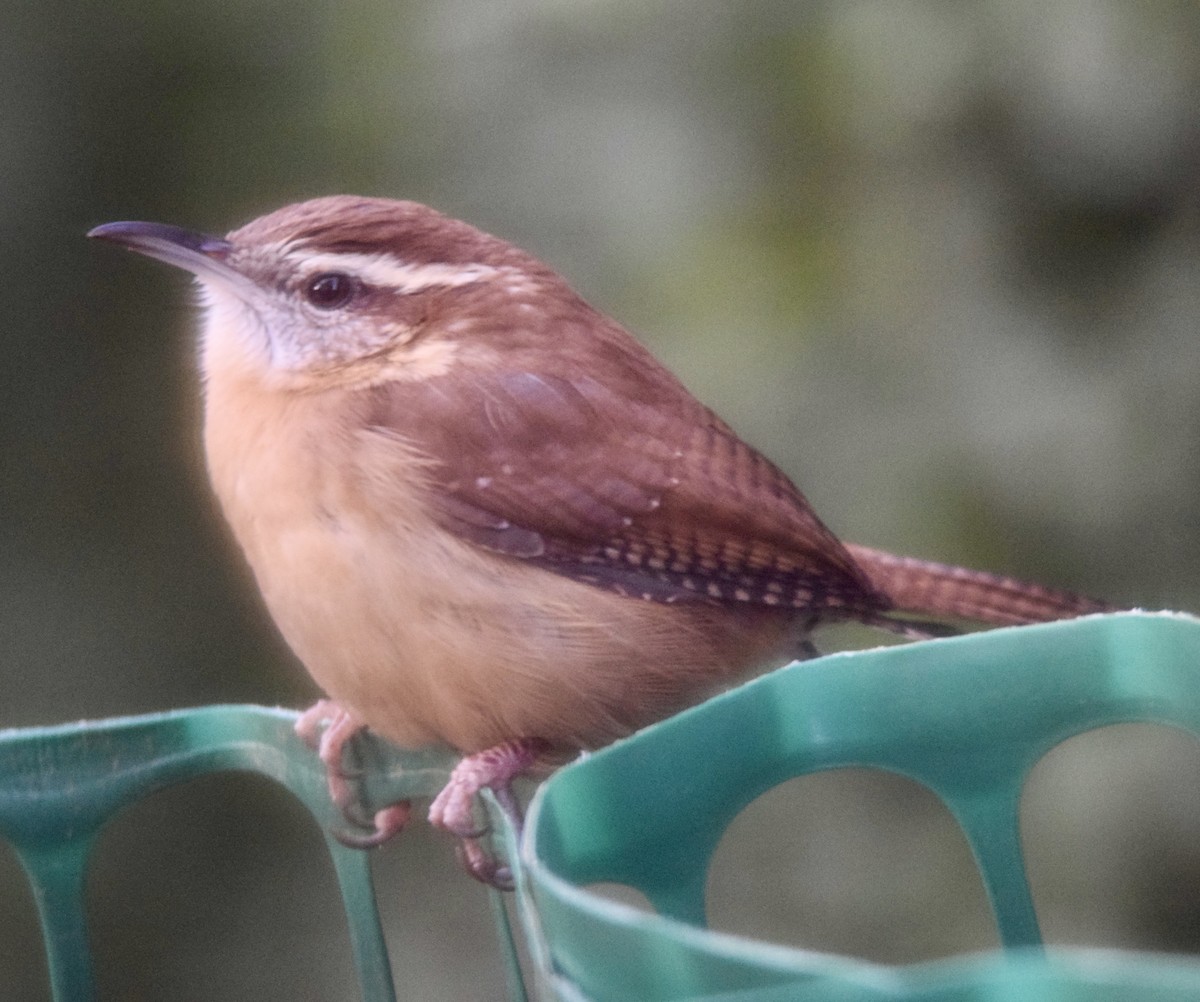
<point>452,810</point>
<point>330,745</point>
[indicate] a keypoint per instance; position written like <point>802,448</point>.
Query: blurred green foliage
<point>939,261</point>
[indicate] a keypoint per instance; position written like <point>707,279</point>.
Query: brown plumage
<point>479,510</point>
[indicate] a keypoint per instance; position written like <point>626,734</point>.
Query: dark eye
<point>330,290</point>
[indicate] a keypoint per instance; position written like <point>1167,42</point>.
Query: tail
<point>926,588</point>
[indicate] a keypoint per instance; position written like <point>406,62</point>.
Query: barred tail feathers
<point>934,589</point>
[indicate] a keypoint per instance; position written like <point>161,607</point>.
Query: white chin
<point>233,337</point>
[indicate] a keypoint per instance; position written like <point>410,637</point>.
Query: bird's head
<point>349,291</point>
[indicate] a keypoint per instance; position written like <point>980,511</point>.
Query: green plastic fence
<point>968,717</point>
<point>60,785</point>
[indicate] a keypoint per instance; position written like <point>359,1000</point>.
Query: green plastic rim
<point>968,717</point>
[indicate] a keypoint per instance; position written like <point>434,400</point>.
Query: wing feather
<point>620,479</point>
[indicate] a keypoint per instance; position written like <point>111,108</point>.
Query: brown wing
<point>621,479</point>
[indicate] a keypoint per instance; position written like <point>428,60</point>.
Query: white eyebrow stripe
<point>384,271</point>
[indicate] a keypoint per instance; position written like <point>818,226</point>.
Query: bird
<point>483,515</point>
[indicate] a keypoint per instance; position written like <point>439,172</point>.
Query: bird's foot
<point>452,810</point>
<point>328,729</point>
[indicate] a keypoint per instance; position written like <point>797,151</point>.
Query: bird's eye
<point>329,290</point>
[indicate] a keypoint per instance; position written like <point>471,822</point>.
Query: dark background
<point>939,262</point>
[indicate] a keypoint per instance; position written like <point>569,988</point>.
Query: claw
<point>387,823</point>
<point>452,810</point>
<point>483,866</point>
<point>328,729</point>
<point>357,813</point>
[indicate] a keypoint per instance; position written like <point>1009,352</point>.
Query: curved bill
<point>203,255</point>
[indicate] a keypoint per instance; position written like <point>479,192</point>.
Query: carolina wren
<point>482,514</point>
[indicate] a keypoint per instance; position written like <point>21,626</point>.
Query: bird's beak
<point>204,256</point>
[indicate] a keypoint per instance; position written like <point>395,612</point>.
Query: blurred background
<point>941,263</point>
